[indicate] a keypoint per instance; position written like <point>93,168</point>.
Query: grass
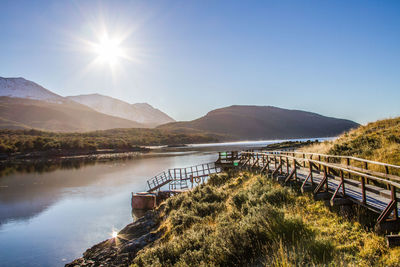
<point>377,141</point>
<point>241,219</point>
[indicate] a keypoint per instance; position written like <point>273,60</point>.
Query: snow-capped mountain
<point>26,104</point>
<point>21,88</point>
<point>140,112</point>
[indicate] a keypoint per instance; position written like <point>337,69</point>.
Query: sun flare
<point>108,50</point>
<point>114,234</point>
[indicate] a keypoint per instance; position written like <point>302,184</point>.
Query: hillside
<point>378,141</point>
<point>140,112</point>
<point>241,219</point>
<point>265,122</point>
<point>68,116</point>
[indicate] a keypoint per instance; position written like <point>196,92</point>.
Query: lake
<point>49,218</point>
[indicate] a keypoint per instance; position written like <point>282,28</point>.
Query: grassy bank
<point>242,219</point>
<point>24,141</point>
<point>378,141</point>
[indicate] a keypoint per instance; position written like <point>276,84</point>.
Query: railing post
<point>394,199</point>
<point>263,159</point>
<point>287,165</point>
<point>387,172</point>
<point>364,197</point>
<point>311,175</point>
<point>319,165</point>
<point>342,178</point>
<point>295,169</point>
<point>348,164</point>
<point>326,175</point>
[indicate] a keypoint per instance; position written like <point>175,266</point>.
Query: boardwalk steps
<point>182,178</point>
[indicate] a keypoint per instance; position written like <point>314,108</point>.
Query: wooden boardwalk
<point>343,179</point>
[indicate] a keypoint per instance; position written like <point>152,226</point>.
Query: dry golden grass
<point>256,220</point>
<point>377,141</point>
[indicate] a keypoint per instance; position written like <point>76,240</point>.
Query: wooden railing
<point>178,178</point>
<point>370,188</point>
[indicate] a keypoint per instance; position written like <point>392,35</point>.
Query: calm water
<point>51,218</point>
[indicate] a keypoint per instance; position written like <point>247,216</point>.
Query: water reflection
<point>51,212</point>
<point>31,189</point>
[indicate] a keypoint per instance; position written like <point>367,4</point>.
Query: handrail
<point>330,165</point>
<point>290,162</point>
<point>334,156</point>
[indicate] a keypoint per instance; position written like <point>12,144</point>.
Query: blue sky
<point>337,58</point>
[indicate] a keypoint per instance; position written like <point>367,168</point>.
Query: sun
<point>114,234</point>
<point>108,50</point>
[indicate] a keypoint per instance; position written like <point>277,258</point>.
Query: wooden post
<point>387,172</point>
<point>394,199</point>
<point>348,164</point>
<point>263,159</point>
<point>319,165</point>
<point>287,165</point>
<point>342,178</point>
<point>295,169</point>
<point>311,175</point>
<point>326,175</point>
<point>364,197</point>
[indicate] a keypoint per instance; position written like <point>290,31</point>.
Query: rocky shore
<point>121,250</point>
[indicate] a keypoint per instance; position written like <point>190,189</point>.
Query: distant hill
<point>68,116</point>
<point>264,122</point>
<point>140,112</point>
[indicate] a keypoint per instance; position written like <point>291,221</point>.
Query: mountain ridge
<point>264,122</point>
<point>141,115</point>
<point>23,113</point>
<point>22,88</point>
<point>140,112</point>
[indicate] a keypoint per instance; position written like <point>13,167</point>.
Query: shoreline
<point>57,156</point>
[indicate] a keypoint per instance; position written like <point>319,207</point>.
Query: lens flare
<point>114,234</point>
<point>108,50</point>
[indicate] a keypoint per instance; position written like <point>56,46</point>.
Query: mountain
<point>67,116</point>
<point>25,104</point>
<point>141,112</point>
<point>19,87</point>
<point>264,122</point>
